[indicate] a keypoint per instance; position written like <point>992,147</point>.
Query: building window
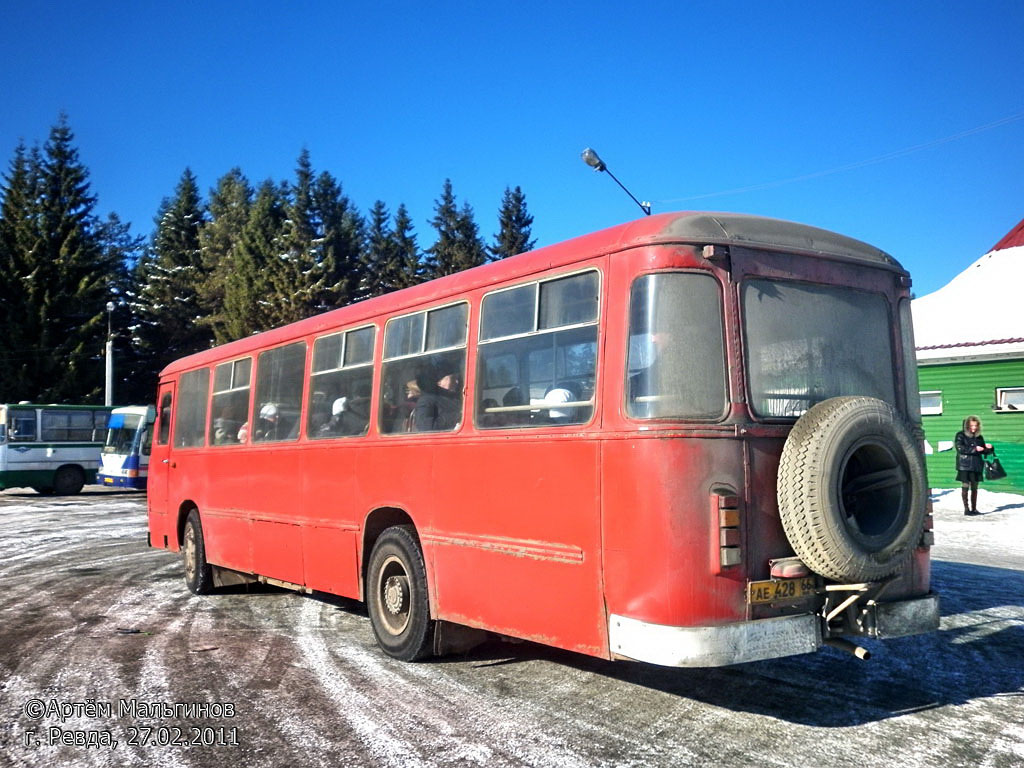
<point>931,403</point>
<point>1010,399</point>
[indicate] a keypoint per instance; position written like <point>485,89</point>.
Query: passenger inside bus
<point>226,427</point>
<point>439,406</point>
<point>563,392</point>
<point>350,415</point>
<point>269,426</point>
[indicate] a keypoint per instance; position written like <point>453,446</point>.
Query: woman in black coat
<point>970,447</point>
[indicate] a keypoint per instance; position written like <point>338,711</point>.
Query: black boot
<point>974,502</point>
<point>963,495</point>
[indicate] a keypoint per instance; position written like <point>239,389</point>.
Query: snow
<point>981,304</point>
<point>995,538</point>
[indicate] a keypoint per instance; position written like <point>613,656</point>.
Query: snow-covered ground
<point>994,538</point>
<point>88,611</point>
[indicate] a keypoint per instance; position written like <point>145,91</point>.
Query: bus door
<point>161,524</point>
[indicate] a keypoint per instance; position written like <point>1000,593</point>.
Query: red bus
<point>690,440</point>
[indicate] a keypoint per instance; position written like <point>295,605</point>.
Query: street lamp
<point>591,158</point>
<point>108,398</point>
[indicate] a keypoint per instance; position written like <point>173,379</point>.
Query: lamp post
<point>108,398</point>
<point>591,158</point>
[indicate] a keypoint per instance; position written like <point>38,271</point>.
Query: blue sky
<point>801,111</point>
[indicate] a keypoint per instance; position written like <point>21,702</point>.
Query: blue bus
<point>125,456</point>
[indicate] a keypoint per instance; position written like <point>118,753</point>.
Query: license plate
<point>780,590</point>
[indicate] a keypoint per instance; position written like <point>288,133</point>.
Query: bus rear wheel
<point>397,595</point>
<point>67,481</point>
<point>198,573</point>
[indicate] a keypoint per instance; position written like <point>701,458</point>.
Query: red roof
<point>1014,237</point>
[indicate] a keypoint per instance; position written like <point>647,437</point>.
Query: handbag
<point>994,468</point>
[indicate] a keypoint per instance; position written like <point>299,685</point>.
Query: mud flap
<point>907,617</point>
<point>455,638</point>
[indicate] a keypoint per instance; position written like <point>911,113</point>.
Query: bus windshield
<point>807,343</point>
<point>121,434</point>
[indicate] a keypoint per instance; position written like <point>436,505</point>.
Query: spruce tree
<point>298,277</point>
<point>458,245</point>
<point>382,269</point>
<point>248,290</point>
<point>340,243</point>
<point>514,224</point>
<point>17,351</point>
<point>230,202</point>
<point>406,250</point>
<point>391,256</point>
<point>166,301</point>
<point>58,273</point>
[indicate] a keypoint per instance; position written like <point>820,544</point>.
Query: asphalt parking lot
<point>106,659</point>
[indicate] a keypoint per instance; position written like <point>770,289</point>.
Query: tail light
<point>726,508</point>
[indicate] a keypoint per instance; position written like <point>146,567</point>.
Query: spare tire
<point>852,489</point>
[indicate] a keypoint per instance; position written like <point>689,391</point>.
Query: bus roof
<point>57,406</point>
<point>693,228</point>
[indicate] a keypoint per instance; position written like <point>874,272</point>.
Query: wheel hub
<point>394,594</point>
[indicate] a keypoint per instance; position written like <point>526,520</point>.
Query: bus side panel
<point>515,536</point>
<point>273,496</point>
<point>187,481</point>
<point>661,530</point>
<point>226,526</point>
<point>329,554</point>
<point>336,502</point>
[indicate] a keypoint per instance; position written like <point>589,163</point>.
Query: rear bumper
<point>715,646</point>
<point>724,644</point>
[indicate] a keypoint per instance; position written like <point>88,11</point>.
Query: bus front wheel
<point>67,481</point>
<point>397,595</point>
<point>198,573</point>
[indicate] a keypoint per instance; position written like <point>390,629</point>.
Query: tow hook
<point>840,614</point>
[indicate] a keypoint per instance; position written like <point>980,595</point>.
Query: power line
<point>852,166</point>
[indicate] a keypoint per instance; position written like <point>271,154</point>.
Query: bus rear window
<point>676,365</point>
<point>807,343</point>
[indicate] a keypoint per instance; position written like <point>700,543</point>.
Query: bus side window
<point>341,383</point>
<point>190,416</point>
<point>423,371</point>
<point>537,359</point>
<point>279,379</point>
<point>165,419</point>
<point>100,419</point>
<point>22,425</point>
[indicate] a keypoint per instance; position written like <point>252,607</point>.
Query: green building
<point>970,355</point>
